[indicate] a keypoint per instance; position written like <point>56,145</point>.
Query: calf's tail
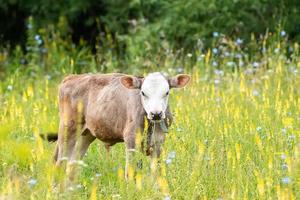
<point>51,137</point>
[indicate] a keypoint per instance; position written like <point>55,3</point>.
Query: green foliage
<point>180,23</point>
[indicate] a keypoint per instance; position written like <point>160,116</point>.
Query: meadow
<point>236,133</point>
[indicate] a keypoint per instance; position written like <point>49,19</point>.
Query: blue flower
<point>167,198</point>
<point>215,50</point>
<point>29,26</point>
<point>238,55</point>
<point>286,180</point>
<point>172,155</point>
<point>179,69</point>
<point>226,54</point>
<point>168,161</point>
<point>218,72</point>
<point>32,182</point>
<point>215,34</point>
<point>255,64</point>
<point>283,33</point>
<point>215,63</point>
<point>239,41</point>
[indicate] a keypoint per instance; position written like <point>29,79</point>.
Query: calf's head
<point>154,91</point>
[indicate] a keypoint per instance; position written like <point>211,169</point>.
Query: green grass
<point>235,136</point>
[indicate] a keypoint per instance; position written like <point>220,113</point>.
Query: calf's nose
<point>156,115</point>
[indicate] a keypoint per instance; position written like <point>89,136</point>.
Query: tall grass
<point>235,136</point>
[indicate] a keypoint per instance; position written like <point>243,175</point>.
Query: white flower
<point>9,87</point>
<point>258,128</point>
<point>255,93</point>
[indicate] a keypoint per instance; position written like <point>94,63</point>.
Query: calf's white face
<point>154,91</point>
<point>155,95</point>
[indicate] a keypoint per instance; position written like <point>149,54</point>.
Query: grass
<point>235,136</point>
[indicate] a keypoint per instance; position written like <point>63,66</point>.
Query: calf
<point>112,107</point>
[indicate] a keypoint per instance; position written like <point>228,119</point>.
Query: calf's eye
<point>143,94</point>
<point>167,93</point>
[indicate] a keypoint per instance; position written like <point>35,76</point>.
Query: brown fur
<point>109,112</point>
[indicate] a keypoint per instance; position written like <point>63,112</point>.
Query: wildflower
<point>255,93</point>
<point>215,34</point>
<point>179,129</point>
<point>276,50</point>
<point>217,81</point>
<point>79,186</point>
<point>230,64</point>
<point>189,55</point>
<point>200,57</point>
<point>29,26</point>
<point>168,161</point>
<point>44,50</point>
<point>218,72</point>
<point>238,55</point>
<point>283,156</point>
<point>215,51</point>
<point>9,87</point>
<point>290,49</point>
<point>286,180</point>
<point>215,63</point>
<point>48,77</point>
<point>70,188</point>
<point>226,54</point>
<point>282,33</point>
<point>239,41</point>
<point>32,182</point>
<point>291,137</point>
<point>241,63</point>
<point>283,130</point>
<point>179,69</point>
<point>172,155</point>
<point>167,198</point>
<point>259,129</point>
<point>255,64</point>
<point>22,61</point>
<point>38,39</point>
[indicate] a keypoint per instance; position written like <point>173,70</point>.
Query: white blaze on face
<point>155,95</point>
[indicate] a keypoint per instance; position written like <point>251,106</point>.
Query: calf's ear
<point>179,81</point>
<point>131,82</point>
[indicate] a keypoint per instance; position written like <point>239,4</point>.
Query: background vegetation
<point>236,133</point>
